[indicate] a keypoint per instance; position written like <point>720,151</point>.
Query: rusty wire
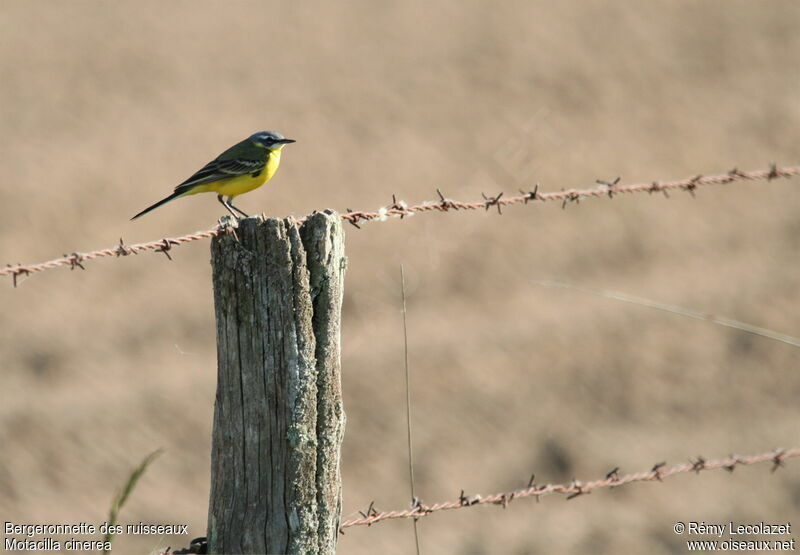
<point>604,188</point>
<point>76,259</point>
<point>401,209</point>
<point>574,489</point>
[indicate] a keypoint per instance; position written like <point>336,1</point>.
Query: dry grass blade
<point>122,496</point>
<point>721,320</point>
<point>408,403</point>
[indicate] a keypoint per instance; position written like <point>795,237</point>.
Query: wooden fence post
<point>278,417</point>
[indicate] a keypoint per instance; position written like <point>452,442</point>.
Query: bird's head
<point>271,140</point>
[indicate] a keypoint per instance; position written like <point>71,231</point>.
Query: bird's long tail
<point>173,196</point>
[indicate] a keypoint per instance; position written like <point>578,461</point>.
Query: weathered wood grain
<point>278,418</point>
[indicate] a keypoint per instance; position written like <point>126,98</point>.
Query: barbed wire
<point>76,259</point>
<point>400,209</point>
<point>604,188</point>
<point>574,489</point>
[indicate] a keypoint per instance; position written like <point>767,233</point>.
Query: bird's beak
<point>287,141</point>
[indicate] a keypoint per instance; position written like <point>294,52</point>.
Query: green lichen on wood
<point>278,419</point>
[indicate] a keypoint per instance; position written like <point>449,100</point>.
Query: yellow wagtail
<point>240,169</point>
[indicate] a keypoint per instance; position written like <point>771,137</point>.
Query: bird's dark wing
<point>221,169</point>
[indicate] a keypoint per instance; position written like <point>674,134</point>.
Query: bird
<point>245,166</point>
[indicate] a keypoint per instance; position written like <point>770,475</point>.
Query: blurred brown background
<point>104,107</point>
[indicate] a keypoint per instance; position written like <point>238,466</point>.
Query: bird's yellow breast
<point>245,183</point>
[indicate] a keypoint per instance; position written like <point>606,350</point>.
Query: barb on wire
<point>530,195</point>
<point>123,249</point>
<point>492,201</point>
<point>570,196</point>
<point>575,488</point>
<point>74,260</point>
<point>611,186</point>
<point>401,209</point>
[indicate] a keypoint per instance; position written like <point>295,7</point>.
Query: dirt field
<point>104,107</point>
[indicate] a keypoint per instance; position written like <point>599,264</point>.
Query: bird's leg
<point>230,205</point>
<point>227,207</point>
